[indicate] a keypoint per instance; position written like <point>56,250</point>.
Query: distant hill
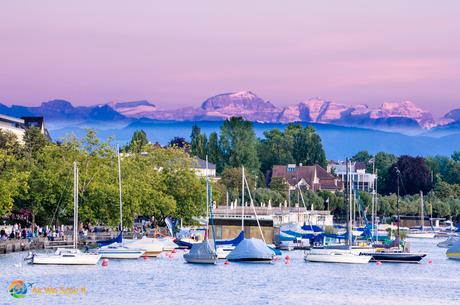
<point>339,142</point>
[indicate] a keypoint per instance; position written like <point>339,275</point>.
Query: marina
<point>167,279</point>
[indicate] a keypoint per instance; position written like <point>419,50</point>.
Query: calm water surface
<point>171,281</point>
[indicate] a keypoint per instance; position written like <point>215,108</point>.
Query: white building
<point>199,167</point>
<point>361,179</point>
<point>18,126</point>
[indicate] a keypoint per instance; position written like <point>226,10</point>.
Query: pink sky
<point>178,53</point>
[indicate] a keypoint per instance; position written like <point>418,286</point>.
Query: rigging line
<point>253,208</point>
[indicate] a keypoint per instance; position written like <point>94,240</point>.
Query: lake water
<point>171,281</point>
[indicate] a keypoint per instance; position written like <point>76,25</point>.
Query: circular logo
<point>17,289</point>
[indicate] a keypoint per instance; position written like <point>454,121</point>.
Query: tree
<point>362,156</point>
<point>383,163</point>
<point>213,151</point>
<point>138,142</point>
<point>275,148</point>
<point>9,142</point>
<point>198,142</point>
<point>280,185</point>
<point>306,145</point>
<point>238,144</point>
<point>34,141</point>
<point>232,180</point>
<point>179,142</point>
<point>415,176</point>
<point>456,156</point>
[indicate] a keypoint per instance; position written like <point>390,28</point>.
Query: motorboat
<point>341,257</point>
<point>454,251</point>
<point>65,256</point>
<point>224,251</point>
<point>449,242</point>
<point>420,234</point>
<point>120,251</point>
<point>151,249</point>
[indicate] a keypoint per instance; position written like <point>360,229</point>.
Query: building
<point>228,220</point>
<point>361,179</point>
<point>199,167</point>
<point>18,126</point>
<point>312,177</point>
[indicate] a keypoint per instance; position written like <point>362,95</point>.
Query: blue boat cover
<point>118,239</point>
<point>286,237</point>
<point>203,250</point>
<point>252,248</point>
<point>313,228</point>
<point>454,249</point>
<point>233,242</point>
<point>298,234</point>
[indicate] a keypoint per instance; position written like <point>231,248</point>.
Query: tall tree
<point>307,147</point>
<point>238,144</point>
<point>275,148</point>
<point>383,163</point>
<point>138,141</point>
<point>198,142</point>
<point>415,176</point>
<point>213,151</point>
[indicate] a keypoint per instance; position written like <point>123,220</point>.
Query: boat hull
<point>251,260</point>
<point>208,261</point>
<point>396,257</point>
<point>453,255</point>
<point>338,258</point>
<point>421,235</point>
<point>89,259</point>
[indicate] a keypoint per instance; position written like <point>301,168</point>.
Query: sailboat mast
<point>207,199</point>
<point>397,196</point>
<point>75,205</point>
<point>349,216</point>
<point>422,218</point>
<point>242,198</point>
<point>119,190</point>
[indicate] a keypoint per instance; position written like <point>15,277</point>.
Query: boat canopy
<point>313,228</point>
<point>201,251</point>
<point>251,249</point>
<point>118,239</point>
<point>233,242</point>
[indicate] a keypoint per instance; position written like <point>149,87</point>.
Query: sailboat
<point>396,255</point>
<point>344,255</point>
<point>118,249</point>
<point>253,249</point>
<point>204,252</point>
<point>422,233</point>
<point>66,256</point>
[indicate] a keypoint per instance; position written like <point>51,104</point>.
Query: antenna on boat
<point>398,176</point>
<point>207,199</point>
<point>348,191</point>
<point>254,209</point>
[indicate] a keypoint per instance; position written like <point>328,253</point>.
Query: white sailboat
<point>119,250</point>
<point>204,252</point>
<point>422,233</point>
<point>346,255</point>
<point>65,256</point>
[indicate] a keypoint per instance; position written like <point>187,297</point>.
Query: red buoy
<point>378,263</point>
<point>287,257</point>
<point>227,263</point>
<point>430,261</point>
<point>105,262</point>
<point>173,251</point>
<point>146,258</point>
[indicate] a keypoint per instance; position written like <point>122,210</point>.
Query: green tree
<point>213,151</point>
<point>306,145</point>
<point>275,148</point>
<point>383,163</point>
<point>138,142</point>
<point>238,144</point>
<point>198,142</point>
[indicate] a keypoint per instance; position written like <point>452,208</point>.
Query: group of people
<point>17,231</point>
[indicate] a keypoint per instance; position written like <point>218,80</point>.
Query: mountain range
<point>389,116</point>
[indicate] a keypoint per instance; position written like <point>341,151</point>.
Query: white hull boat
<point>66,257</point>
<point>224,251</point>
<point>337,257</point>
<point>120,252</point>
<point>151,249</point>
<point>421,235</point>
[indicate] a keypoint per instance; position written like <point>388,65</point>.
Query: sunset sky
<point>178,53</point>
